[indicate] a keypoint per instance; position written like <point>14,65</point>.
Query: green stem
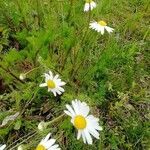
<point>55,120</point>
<point>31,70</point>
<point>31,136</point>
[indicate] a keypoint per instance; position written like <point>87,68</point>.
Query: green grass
<point>109,72</point>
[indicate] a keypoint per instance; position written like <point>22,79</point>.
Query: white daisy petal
<point>47,76</point>
<point>51,74</point>
<point>98,128</point>
<point>70,109</point>
<point>43,85</point>
<point>109,29</point>
<point>61,83</point>
<point>79,134</point>
<point>93,25</point>
<point>75,107</point>
<point>54,147</point>
<point>58,92</point>
<point>56,77</point>
<point>84,109</point>
<point>93,132</point>
<point>68,113</point>
<point>50,143</point>
<point>61,89</point>
<point>46,138</point>
<point>101,29</point>
<point>92,118</point>
<point>93,4</point>
<point>88,137</point>
<point>83,137</point>
<point>54,93</point>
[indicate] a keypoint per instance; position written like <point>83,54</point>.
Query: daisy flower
<point>2,147</point>
<point>53,83</point>
<point>47,144</point>
<point>86,125</point>
<point>89,5</point>
<point>100,26</point>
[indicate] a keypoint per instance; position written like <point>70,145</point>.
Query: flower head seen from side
<point>53,83</point>
<point>22,76</point>
<point>48,144</point>
<point>86,124</point>
<point>89,5</point>
<point>42,126</point>
<point>2,147</point>
<point>100,26</point>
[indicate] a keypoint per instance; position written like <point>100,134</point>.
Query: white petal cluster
<point>91,126</point>
<point>100,26</point>
<point>89,5</point>
<point>53,83</point>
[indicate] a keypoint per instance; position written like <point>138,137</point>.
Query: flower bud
<point>42,126</point>
<point>22,76</point>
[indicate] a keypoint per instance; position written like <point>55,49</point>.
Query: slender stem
<point>32,70</point>
<point>55,120</point>
<point>21,138</point>
<point>29,102</point>
<point>24,140</point>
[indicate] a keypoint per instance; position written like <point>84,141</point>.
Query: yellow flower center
<point>79,122</point>
<point>102,23</point>
<point>89,1</point>
<point>40,147</point>
<point>51,84</point>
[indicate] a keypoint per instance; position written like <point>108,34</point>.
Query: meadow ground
<point>109,72</point>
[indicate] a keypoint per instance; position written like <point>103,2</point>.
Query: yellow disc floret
<point>102,23</point>
<point>51,84</point>
<point>80,122</point>
<point>40,147</point>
